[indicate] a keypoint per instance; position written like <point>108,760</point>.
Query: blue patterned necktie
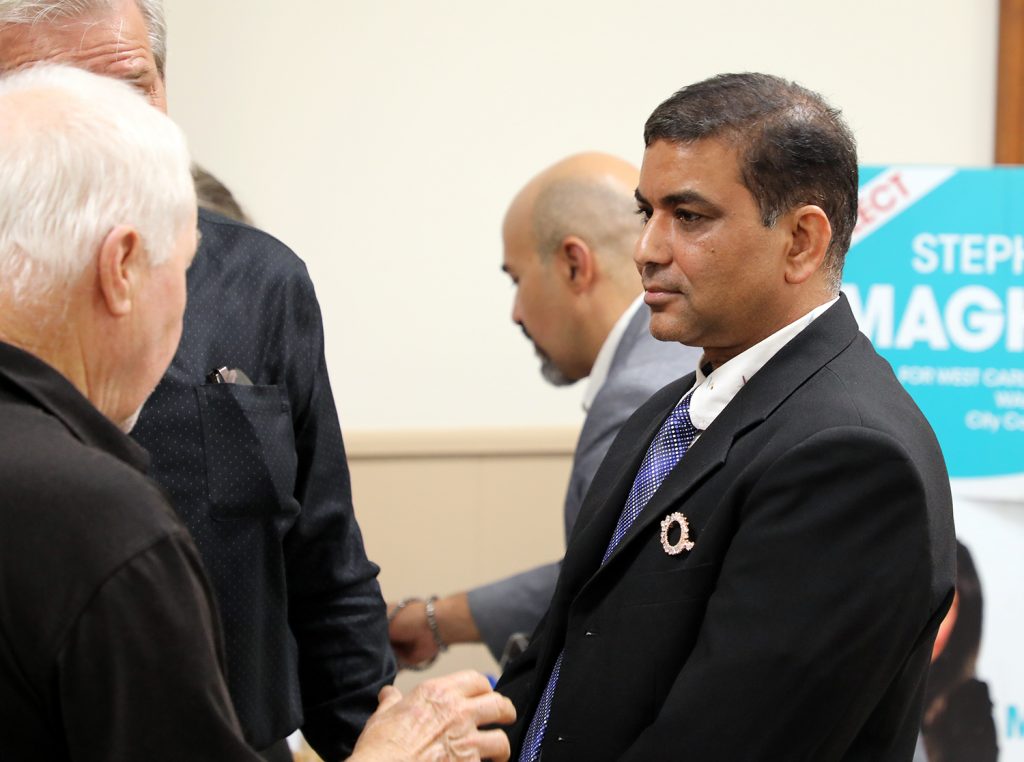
<point>668,446</point>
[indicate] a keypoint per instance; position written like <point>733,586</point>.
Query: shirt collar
<point>713,391</point>
<point>603,363</point>
<point>32,378</point>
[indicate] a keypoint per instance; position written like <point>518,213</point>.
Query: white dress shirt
<point>712,392</point>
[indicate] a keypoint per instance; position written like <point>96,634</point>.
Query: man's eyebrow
<point>681,198</point>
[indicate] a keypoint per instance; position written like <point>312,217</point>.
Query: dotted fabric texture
<point>669,445</point>
<point>666,450</point>
<point>539,725</point>
<point>258,474</point>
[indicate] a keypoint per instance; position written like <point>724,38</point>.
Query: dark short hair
<point>793,147</point>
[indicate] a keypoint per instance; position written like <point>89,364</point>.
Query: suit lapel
<point>630,340</point>
<point>592,425</point>
<point>605,498</point>
<point>783,374</point>
<point>778,379</point>
<point>595,423</point>
<point>637,326</point>
<point>705,456</point>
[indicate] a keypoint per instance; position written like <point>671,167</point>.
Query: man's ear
<point>812,234</point>
<point>120,262</point>
<point>577,262</point>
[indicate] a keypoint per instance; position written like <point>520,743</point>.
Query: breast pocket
<point>670,588</point>
<point>249,445</point>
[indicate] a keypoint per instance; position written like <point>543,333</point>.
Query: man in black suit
<point>763,558</point>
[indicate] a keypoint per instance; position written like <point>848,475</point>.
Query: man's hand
<point>437,721</point>
<point>411,638</point>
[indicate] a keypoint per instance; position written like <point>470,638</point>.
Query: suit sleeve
<point>824,591</point>
<point>517,603</point>
<point>336,612</point>
<point>140,672</point>
<point>514,604</point>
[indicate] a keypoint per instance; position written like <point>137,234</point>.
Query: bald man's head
<point>569,236</point>
<point>589,195</point>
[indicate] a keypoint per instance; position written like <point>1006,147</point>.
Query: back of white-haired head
<point>46,11</point>
<point>79,155</point>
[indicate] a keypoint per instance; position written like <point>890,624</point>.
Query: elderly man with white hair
<point>110,642</point>
<point>256,471</point>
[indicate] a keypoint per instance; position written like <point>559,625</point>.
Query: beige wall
<point>442,511</point>
<point>383,139</point>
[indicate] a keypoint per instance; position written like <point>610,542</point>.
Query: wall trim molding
<point>461,443</point>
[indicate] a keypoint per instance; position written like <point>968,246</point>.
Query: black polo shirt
<point>109,641</point>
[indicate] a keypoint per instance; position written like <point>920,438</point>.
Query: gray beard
<point>550,371</point>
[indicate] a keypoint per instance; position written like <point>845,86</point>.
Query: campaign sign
<point>935,277</point>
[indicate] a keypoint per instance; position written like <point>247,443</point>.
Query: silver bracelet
<point>401,605</point>
<point>432,624</point>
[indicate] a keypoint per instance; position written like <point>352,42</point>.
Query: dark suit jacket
<point>800,625</point>
<point>640,366</point>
